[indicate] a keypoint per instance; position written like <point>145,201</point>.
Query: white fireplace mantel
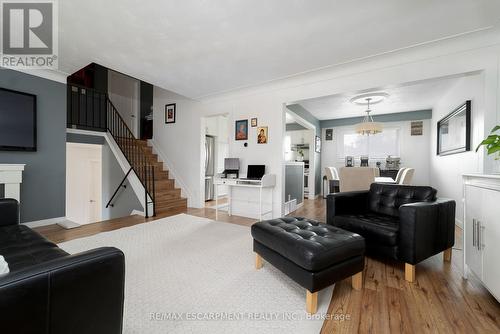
<point>11,176</point>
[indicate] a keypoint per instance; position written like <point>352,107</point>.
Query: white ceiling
<point>202,47</point>
<point>410,97</point>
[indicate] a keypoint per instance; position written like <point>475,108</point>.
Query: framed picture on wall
<point>329,134</point>
<point>170,113</point>
<point>253,122</point>
<point>262,135</point>
<point>241,130</point>
<point>453,131</point>
<point>317,144</point>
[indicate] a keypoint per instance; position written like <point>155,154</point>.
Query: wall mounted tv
<point>17,121</point>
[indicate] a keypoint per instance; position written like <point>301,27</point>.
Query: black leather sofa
<point>49,291</point>
<point>405,223</point>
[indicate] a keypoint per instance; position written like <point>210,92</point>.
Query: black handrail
<point>118,188</point>
<point>92,109</point>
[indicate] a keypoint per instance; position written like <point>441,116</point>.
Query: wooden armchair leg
<point>409,272</point>
<point>357,281</point>
<point>447,255</point>
<point>311,302</point>
<point>258,261</point>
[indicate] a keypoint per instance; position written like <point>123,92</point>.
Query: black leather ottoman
<point>313,254</point>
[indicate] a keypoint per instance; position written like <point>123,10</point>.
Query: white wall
<point>446,171</point>
<point>415,150</point>
<point>124,92</point>
<point>182,141</point>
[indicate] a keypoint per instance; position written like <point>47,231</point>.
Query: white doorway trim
<point>312,151</point>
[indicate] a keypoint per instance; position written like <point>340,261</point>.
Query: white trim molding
<point>185,191</point>
<point>45,222</point>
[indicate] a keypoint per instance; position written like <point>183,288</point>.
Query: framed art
<point>317,146</point>
<point>170,113</point>
<point>417,128</point>
<point>453,131</point>
<point>241,130</point>
<point>329,134</point>
<point>262,135</point>
<point>253,122</point>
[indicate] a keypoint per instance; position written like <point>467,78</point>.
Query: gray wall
<point>43,192</point>
<point>300,111</point>
<point>112,175</point>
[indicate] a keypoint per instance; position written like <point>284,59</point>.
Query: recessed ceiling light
<point>375,98</point>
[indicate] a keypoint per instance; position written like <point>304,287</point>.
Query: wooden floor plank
<point>440,300</point>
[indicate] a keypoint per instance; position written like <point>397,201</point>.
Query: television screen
<point>17,121</point>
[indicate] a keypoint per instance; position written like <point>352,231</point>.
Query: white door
<point>473,255</point>
<point>489,239</point>
<point>94,204</point>
<point>83,183</point>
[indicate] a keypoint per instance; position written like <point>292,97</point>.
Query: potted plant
<point>300,155</point>
<point>492,143</point>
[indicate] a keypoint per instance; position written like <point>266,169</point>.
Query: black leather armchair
<point>50,291</point>
<point>406,223</point>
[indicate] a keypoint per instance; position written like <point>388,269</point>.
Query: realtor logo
<point>29,34</point>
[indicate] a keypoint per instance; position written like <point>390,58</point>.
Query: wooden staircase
<point>168,199</point>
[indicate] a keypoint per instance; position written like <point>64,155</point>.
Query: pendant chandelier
<point>368,126</point>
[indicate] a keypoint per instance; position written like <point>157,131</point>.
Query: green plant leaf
<point>490,140</point>
<point>495,129</point>
<point>493,149</point>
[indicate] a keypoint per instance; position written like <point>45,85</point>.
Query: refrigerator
<point>209,167</point>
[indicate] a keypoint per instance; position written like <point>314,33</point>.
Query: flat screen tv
<point>17,121</point>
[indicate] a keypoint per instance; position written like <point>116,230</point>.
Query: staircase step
<point>171,204</point>
<point>162,195</point>
<point>164,185</point>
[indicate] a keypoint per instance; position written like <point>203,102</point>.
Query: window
<point>375,147</point>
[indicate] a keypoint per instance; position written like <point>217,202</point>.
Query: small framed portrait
<point>253,122</point>
<point>262,135</point>
<point>241,130</point>
<point>317,146</point>
<point>170,113</point>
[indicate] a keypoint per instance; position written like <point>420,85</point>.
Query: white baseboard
<point>45,222</point>
<point>179,182</point>
<point>137,212</point>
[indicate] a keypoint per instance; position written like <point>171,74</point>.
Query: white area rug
<point>185,273</point>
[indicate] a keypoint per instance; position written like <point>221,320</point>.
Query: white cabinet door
<point>490,240</point>
<point>473,256</point>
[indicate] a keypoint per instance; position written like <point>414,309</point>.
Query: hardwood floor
<point>439,301</point>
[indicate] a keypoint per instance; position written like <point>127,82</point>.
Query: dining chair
<point>407,176</point>
<point>356,178</point>
<point>400,174</point>
<point>332,175</point>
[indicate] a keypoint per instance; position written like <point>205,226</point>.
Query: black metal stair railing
<point>90,109</point>
<point>134,152</point>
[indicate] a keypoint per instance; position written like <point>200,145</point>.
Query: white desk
<point>384,180</point>
<point>267,181</point>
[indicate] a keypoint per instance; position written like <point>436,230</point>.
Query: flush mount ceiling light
<point>368,126</point>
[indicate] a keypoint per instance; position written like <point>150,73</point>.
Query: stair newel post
<point>153,194</point>
<point>145,189</point>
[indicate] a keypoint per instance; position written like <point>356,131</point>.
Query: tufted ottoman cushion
<point>309,244</point>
